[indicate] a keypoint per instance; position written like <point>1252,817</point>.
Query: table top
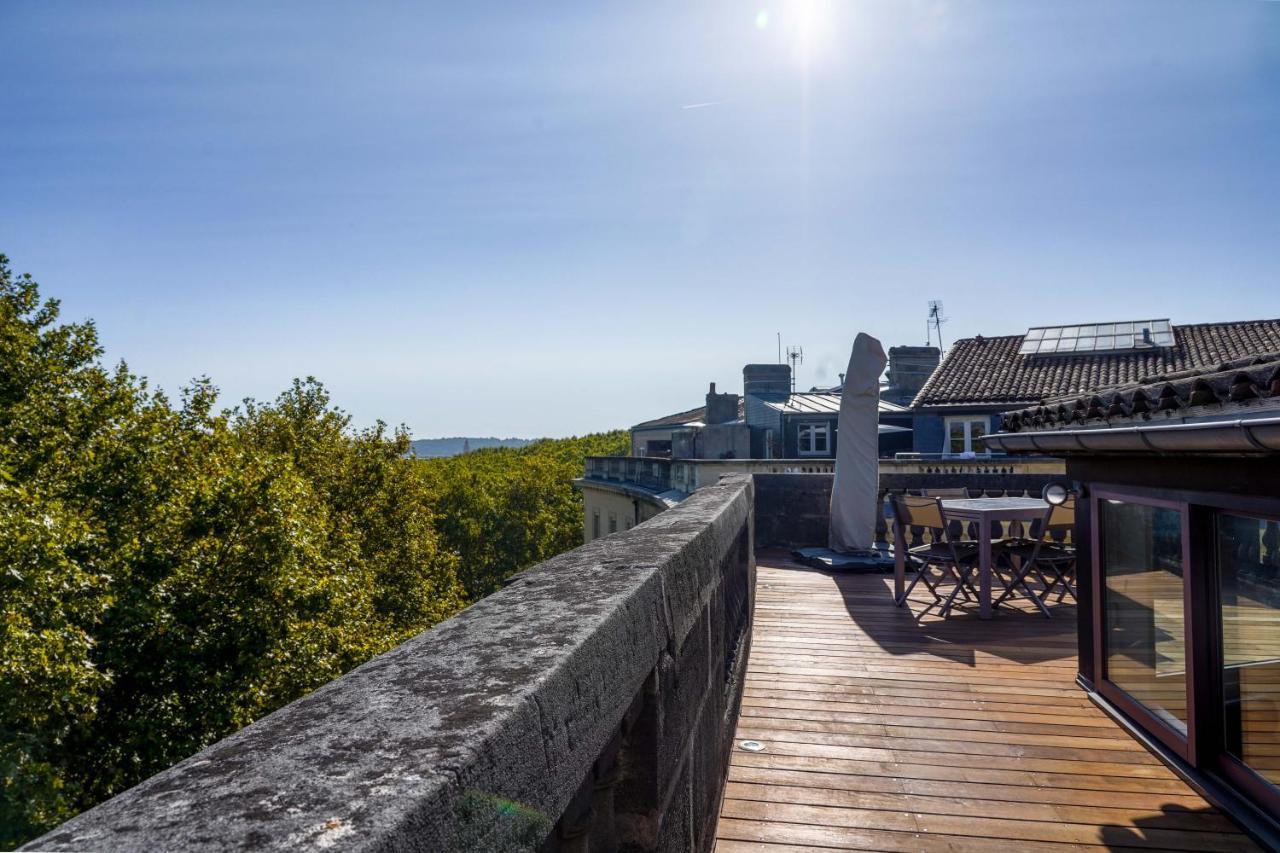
<point>995,507</point>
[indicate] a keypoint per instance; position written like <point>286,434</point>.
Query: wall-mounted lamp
<point>1056,492</point>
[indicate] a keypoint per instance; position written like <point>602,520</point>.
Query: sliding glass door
<point>1187,627</point>
<point>1142,562</point>
<point>1247,553</point>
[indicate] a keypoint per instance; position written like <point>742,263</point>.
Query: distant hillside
<point>437,448</point>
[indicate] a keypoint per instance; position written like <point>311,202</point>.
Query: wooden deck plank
<point>886,730</point>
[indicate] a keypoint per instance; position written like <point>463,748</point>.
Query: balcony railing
<point>689,475</point>
<point>652,474</point>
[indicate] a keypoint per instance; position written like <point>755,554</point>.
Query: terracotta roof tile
<point>981,371</point>
<point>1236,387</point>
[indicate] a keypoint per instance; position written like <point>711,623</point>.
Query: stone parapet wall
<point>588,706</point>
<point>794,510</point>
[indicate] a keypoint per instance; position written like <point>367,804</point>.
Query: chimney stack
<point>721,408</point>
<point>911,367</point>
<point>766,380</point>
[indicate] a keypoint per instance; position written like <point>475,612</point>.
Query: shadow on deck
<point>885,729</point>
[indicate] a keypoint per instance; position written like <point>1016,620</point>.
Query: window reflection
<point>1248,552</point>
<point>1145,623</point>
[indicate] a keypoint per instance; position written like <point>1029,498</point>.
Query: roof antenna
<point>796,356</point>
<point>935,321</point>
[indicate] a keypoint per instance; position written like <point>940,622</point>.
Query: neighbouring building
<point>802,425</point>
<point>982,377</point>
<point>771,421</point>
<point>654,438</point>
<point>674,455</point>
<point>1177,483</point>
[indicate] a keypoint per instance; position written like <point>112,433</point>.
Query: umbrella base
<point>873,560</point>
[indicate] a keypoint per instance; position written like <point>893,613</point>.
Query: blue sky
<point>545,219</point>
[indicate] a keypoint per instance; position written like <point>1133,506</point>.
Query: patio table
<point>984,511</point>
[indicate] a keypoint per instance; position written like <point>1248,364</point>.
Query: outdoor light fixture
<point>1057,492</point>
<point>751,745</point>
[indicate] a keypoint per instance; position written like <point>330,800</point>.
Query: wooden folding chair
<point>953,558</point>
<point>1043,555</point>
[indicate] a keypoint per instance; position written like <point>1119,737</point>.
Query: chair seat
<point>1049,552</point>
<point>938,551</point>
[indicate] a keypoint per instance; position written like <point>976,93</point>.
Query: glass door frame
<point>1216,759</point>
<point>1204,747</point>
<point>1185,746</point>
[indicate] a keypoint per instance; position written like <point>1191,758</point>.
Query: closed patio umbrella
<point>856,490</point>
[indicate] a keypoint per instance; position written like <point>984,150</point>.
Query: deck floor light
<point>751,746</point>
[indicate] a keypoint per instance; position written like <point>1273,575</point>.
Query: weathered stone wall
<point>588,706</point>
<point>793,510</point>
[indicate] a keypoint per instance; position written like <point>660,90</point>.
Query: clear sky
<point>551,218</point>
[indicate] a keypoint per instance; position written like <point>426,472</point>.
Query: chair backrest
<point>1057,519</point>
<point>919,511</point>
<point>946,493</point>
<point>1061,517</point>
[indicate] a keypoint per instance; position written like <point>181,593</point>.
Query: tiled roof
<point>989,371</point>
<point>1244,386</point>
<point>678,419</point>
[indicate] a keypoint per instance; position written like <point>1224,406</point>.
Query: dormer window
<point>813,440</point>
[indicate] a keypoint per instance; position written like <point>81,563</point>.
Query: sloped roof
<point>989,371</point>
<point>692,417</point>
<point>810,403</point>
<point>1244,386</point>
<point>818,403</point>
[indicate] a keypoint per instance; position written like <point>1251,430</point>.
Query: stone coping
<point>476,734</point>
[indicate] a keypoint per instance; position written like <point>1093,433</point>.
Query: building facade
<point>769,427</point>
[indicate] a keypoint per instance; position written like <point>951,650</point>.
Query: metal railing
<point>689,475</point>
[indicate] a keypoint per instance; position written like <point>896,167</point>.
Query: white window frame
<point>968,421</point>
<point>811,431</point>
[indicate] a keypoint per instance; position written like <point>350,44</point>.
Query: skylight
<point>1098,337</point>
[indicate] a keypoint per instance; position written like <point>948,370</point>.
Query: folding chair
<point>951,557</point>
<point>1042,554</point>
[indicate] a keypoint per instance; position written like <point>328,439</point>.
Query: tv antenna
<point>935,321</point>
<point>795,355</point>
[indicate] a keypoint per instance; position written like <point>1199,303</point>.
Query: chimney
<point>764,380</point>
<point>911,367</point>
<point>721,408</point>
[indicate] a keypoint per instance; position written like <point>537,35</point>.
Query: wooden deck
<point>887,732</point>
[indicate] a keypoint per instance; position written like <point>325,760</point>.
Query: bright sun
<point>806,24</point>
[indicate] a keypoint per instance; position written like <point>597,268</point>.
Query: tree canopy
<point>171,571</point>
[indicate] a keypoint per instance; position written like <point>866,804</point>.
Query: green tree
<point>53,398</point>
<point>504,509</point>
<point>171,572</point>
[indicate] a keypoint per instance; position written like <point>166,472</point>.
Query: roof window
<point>1097,337</point>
